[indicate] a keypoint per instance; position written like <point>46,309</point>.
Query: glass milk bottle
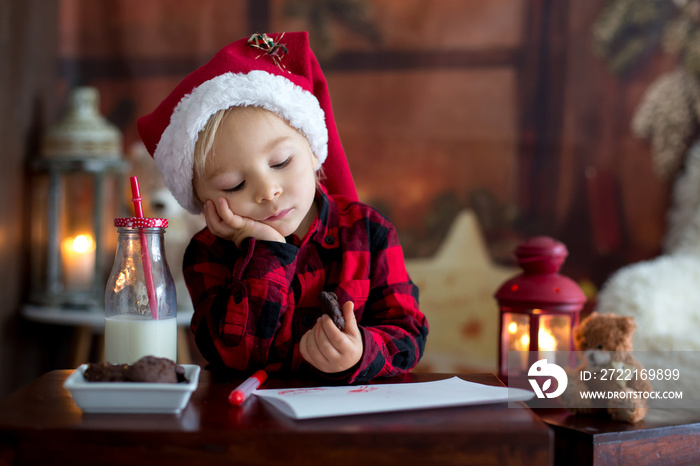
<point>140,299</point>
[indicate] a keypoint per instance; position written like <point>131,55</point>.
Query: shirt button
<point>329,240</point>
<point>238,297</point>
<point>308,321</point>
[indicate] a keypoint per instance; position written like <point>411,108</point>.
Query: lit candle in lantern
<point>547,344</point>
<point>78,258</point>
<point>542,303</point>
<point>512,328</point>
<point>520,341</point>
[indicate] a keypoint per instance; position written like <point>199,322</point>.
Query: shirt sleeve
<point>239,296</point>
<point>393,328</point>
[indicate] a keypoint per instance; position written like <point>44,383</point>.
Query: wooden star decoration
<point>456,288</point>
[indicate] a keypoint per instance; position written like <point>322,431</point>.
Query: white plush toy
<point>663,294</point>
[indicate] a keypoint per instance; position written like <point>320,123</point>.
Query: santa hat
<point>277,72</point>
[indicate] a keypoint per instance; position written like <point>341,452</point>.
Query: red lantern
<point>538,308</point>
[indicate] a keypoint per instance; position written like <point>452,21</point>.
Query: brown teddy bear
<point>604,343</point>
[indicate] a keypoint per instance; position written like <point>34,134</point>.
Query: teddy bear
<point>604,344</point>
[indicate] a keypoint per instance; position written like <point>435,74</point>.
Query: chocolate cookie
<point>147,369</point>
<point>152,370</point>
<point>105,372</point>
<point>330,306</point>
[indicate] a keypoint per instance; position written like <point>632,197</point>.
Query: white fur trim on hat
<point>174,154</point>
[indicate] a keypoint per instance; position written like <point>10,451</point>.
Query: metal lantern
<point>538,308</point>
<point>75,186</point>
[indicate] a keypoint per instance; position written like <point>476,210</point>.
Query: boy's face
<point>264,168</point>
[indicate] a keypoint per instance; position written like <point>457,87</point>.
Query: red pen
<point>243,391</point>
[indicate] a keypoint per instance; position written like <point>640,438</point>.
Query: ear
<point>580,335</point>
<point>584,322</point>
<point>626,324</point>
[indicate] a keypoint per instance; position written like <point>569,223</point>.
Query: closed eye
<point>236,188</point>
<point>282,164</point>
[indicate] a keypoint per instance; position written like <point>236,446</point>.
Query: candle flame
<point>82,244</point>
<point>546,340</point>
<point>78,260</point>
<point>522,343</point>
<point>525,341</point>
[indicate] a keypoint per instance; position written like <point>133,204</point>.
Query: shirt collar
<point>324,228</point>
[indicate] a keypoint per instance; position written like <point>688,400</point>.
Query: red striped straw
<point>145,258</point>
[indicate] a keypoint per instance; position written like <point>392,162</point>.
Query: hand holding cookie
<point>330,349</point>
<point>330,307</point>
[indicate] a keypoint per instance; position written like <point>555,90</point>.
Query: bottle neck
<point>137,231</point>
<point>129,238</point>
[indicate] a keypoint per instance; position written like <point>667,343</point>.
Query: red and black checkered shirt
<point>252,305</point>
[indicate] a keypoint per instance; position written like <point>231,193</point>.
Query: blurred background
<point>472,125</point>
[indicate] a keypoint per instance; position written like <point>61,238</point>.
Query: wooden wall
<point>497,106</point>
<point>595,187</point>
<point>426,108</point>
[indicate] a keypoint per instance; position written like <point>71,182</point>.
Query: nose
<point>268,189</point>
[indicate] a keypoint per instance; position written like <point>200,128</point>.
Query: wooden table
<point>667,437</point>
<point>40,424</point>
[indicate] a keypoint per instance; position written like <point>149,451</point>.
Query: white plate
<point>131,397</point>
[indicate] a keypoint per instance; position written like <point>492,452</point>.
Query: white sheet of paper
<point>314,402</point>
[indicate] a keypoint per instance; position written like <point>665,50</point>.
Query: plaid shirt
<point>252,305</point>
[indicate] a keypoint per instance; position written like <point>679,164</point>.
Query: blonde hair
<point>207,137</point>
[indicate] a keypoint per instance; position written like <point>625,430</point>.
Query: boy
<point>243,139</point>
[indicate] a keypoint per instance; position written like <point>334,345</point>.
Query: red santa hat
<point>277,72</point>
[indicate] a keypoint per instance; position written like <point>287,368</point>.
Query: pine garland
<point>668,116</point>
<point>626,32</point>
